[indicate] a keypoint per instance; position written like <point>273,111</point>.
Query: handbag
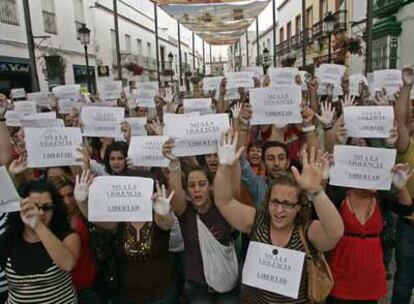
<point>320,279</point>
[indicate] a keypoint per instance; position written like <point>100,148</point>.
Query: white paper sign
<point>196,135</point>
<point>354,83</point>
<point>65,106</point>
<point>109,90</point>
<point>369,122</point>
<point>102,121</point>
<point>145,98</point>
<point>211,83</point>
<point>331,73</point>
<point>9,198</point>
<point>13,119</point>
<point>150,85</point>
<point>280,105</point>
<point>390,80</point>
<point>239,80</point>
<point>70,91</point>
<point>137,125</point>
<point>120,199</point>
<point>25,107</point>
<point>282,76</point>
<point>200,105</point>
<point>41,98</point>
<point>255,70</point>
<point>42,115</point>
<point>42,123</point>
<point>48,147</point>
<point>18,93</point>
<point>362,167</point>
<point>146,151</point>
<point>278,273</point>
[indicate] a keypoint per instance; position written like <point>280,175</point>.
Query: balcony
<point>318,30</point>
<point>340,21</point>
<point>383,8</point>
<point>308,33</point>
<point>295,42</point>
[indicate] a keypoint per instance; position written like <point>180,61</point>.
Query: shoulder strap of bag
<point>305,242</point>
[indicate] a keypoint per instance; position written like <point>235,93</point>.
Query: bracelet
<point>308,129</point>
<point>312,195</point>
<point>327,127</point>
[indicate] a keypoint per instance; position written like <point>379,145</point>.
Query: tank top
<point>261,233</point>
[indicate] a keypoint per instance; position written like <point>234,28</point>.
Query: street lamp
<point>84,37</point>
<point>265,60</point>
<point>170,60</point>
<point>329,22</point>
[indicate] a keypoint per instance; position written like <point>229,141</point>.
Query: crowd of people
<point>267,185</point>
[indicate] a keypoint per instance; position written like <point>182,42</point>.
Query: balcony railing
<point>295,42</point>
<point>340,21</point>
<point>387,7</point>
<point>318,30</point>
<point>309,36</point>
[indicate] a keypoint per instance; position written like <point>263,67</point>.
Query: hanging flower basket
<point>55,66</point>
<point>355,46</point>
<point>288,61</point>
<point>134,68</point>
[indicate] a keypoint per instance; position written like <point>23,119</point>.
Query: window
<point>148,50</point>
<point>281,35</point>
<point>289,30</point>
<point>127,44</point>
<point>309,17</point>
<point>380,53</point>
<point>8,12</point>
<point>297,25</point>
<point>139,47</point>
<point>322,9</point>
<point>79,15</point>
<point>49,16</point>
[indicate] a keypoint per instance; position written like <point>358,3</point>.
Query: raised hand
<point>156,126</point>
<point>82,184</point>
<point>236,109</point>
<point>401,174</point>
<point>161,201</point>
<point>227,148</point>
<point>392,139</point>
<point>311,177</point>
<point>18,166</point>
<point>126,130</point>
<point>348,101</point>
<point>327,114</point>
<point>167,149</point>
<point>408,76</point>
<point>29,213</point>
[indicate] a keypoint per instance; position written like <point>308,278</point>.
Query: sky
<point>165,23</point>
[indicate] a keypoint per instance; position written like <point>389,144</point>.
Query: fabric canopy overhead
<point>216,21</point>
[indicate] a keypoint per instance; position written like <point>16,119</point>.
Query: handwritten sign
<point>257,71</point>
<point>42,123</point>
<point>48,147</point>
<point>362,167</point>
<point>196,135</point>
<point>283,76</point>
<point>390,80</point>
<point>149,85</point>
<point>276,105</point>
<point>18,93</point>
<point>65,106</point>
<point>331,73</point>
<point>13,119</point>
<point>70,91</point>
<point>145,98</point>
<point>137,125</point>
<point>239,80</point>
<point>275,269</point>
<point>211,83</point>
<point>102,121</point>
<point>120,199</point>
<point>41,98</point>
<point>369,122</point>
<point>109,90</point>
<point>200,105</point>
<point>9,198</point>
<point>146,151</point>
<point>25,107</point>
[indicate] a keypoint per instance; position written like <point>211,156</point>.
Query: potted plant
<point>134,68</point>
<point>53,64</point>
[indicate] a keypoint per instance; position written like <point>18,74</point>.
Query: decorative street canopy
<point>216,21</point>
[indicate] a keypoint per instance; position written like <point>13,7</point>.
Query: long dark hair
<point>117,146</point>
<point>59,224</point>
<point>287,179</point>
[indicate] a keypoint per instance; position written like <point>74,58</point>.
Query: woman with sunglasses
<point>39,249</point>
<point>283,217</point>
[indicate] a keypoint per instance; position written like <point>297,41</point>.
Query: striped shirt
<point>53,286</point>
<point>261,233</point>
<point>3,281</point>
